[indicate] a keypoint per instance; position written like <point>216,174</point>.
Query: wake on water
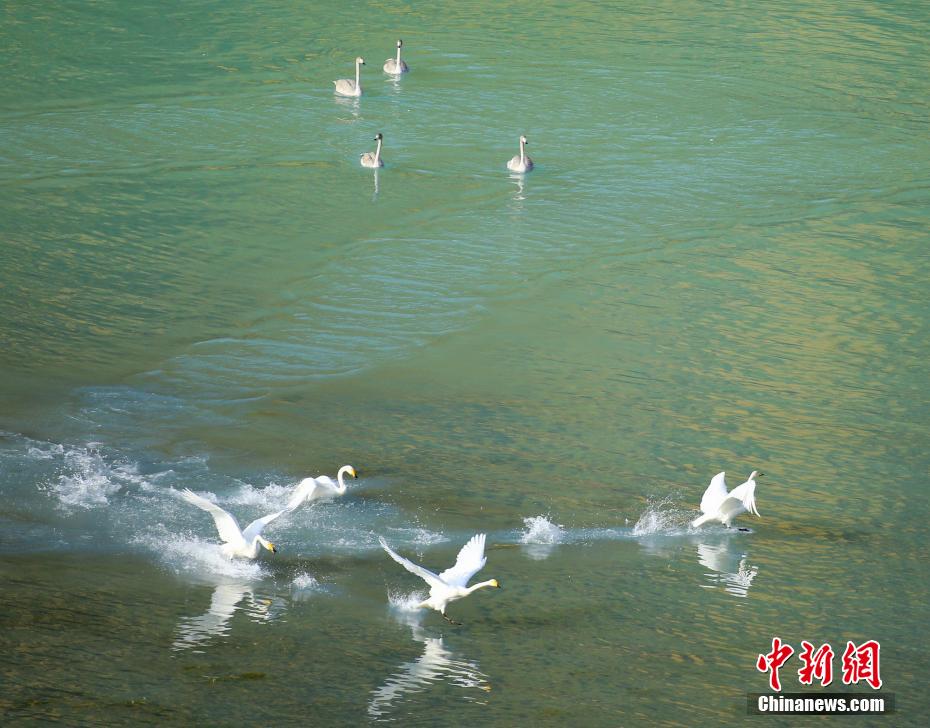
<point>139,499</point>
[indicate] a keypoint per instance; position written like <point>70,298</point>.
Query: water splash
<point>540,537</point>
<point>186,554</point>
<point>45,451</point>
<point>304,580</point>
<point>663,518</point>
<point>417,536</point>
<point>89,478</point>
<point>270,498</point>
<point>540,530</point>
<point>405,602</point>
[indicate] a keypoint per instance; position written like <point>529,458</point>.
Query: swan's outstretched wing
<point>225,523</point>
<point>255,527</point>
<point>470,561</point>
<point>741,497</point>
<point>715,494</point>
<point>428,576</point>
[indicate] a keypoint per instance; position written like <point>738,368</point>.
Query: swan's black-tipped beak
<point>496,584</point>
<point>759,475</point>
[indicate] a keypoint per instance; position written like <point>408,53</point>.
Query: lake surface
<point>719,263</point>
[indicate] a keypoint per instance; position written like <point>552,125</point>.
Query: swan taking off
<point>311,489</point>
<point>520,162</point>
<point>370,160</point>
<point>348,87</point>
<point>719,505</point>
<point>450,584</point>
<point>395,65</point>
<point>244,544</point>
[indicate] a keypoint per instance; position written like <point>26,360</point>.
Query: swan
<point>719,505</point>
<point>520,162</point>
<point>311,489</point>
<point>243,544</point>
<point>450,584</point>
<point>346,87</point>
<point>395,65</point>
<point>373,160</point>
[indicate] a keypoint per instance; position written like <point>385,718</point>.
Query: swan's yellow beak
<point>353,473</point>
<point>271,547</point>
<point>495,583</point>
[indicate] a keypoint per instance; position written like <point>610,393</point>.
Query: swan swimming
<point>719,505</point>
<point>520,162</point>
<point>450,584</point>
<point>243,544</point>
<point>311,489</point>
<point>348,87</point>
<point>373,161</point>
<point>395,65</point>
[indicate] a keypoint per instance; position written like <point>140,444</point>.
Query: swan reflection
<point>225,601</point>
<point>729,568</point>
<point>393,83</point>
<point>518,196</point>
<point>349,102</point>
<point>537,551</point>
<point>437,664</point>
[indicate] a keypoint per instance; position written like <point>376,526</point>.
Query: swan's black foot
<point>450,620</point>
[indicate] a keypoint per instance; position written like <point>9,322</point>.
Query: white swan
<point>719,505</point>
<point>450,584</point>
<point>348,87</point>
<point>520,162</point>
<point>244,544</point>
<point>373,161</point>
<point>311,489</point>
<point>395,65</point>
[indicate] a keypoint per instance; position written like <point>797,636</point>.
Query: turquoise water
<point>719,263</point>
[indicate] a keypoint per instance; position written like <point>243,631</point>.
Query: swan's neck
<point>358,74</point>
<point>377,158</point>
<point>522,153</point>
<point>341,488</point>
<point>398,57</point>
<point>481,585</point>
